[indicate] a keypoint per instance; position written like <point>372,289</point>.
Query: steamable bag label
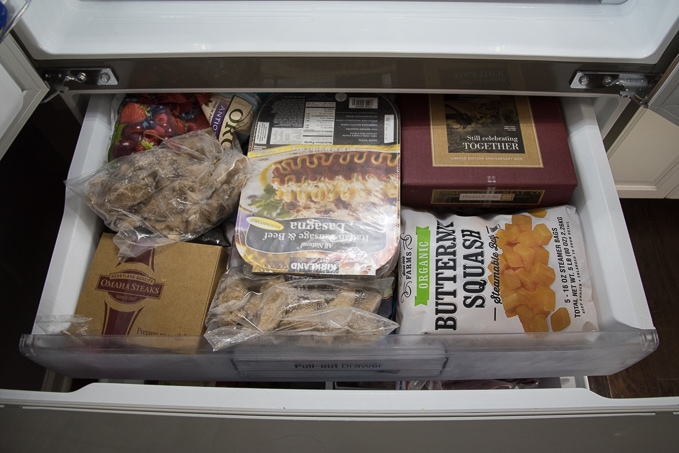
<point>524,272</point>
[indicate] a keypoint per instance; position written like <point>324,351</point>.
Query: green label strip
<point>422,265</point>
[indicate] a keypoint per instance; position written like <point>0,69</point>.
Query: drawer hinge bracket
<point>634,86</point>
<point>60,79</point>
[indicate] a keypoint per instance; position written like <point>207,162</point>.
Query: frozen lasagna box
<point>508,273</point>
<point>323,197</point>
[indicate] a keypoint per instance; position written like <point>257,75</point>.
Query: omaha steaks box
<point>461,151</point>
<point>165,291</point>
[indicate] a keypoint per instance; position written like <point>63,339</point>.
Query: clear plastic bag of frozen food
<point>143,121</point>
<point>248,305</point>
<point>63,324</point>
<point>175,192</point>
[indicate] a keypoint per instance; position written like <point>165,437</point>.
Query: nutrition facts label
<point>319,123</point>
<point>326,119</point>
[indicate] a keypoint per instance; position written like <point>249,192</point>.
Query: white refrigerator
<point>605,59</point>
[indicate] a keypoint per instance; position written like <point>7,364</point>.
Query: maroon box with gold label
<point>461,151</point>
<point>165,291</point>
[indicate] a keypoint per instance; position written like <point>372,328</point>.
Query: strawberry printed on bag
<point>133,113</point>
<point>145,120</point>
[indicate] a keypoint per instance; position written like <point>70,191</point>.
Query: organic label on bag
<point>525,272</point>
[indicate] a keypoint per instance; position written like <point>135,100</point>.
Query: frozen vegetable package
<point>174,192</point>
<point>509,273</point>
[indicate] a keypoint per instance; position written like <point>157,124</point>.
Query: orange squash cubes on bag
<point>526,279</point>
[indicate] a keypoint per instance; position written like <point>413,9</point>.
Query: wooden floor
<point>654,227</point>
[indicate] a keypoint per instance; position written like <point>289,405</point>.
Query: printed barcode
<point>362,103</point>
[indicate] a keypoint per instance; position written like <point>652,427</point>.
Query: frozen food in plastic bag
<point>506,273</point>
<point>174,192</point>
<point>143,121</point>
<point>63,324</point>
<point>247,305</point>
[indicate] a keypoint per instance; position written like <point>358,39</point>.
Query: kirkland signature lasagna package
<point>509,273</point>
<point>323,197</point>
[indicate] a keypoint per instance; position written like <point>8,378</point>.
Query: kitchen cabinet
<point>645,158</point>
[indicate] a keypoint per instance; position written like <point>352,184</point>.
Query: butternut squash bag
<point>524,272</point>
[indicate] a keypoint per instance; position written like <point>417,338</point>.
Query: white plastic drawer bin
<point>627,334</point>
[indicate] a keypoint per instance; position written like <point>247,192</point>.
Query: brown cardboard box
<point>484,151</point>
<point>166,291</point>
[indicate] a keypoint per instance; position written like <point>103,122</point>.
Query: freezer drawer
<point>626,336</point>
<point>162,418</point>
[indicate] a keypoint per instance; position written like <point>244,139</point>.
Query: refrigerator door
<point>21,90</point>
<point>622,31</point>
<point>530,46</point>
